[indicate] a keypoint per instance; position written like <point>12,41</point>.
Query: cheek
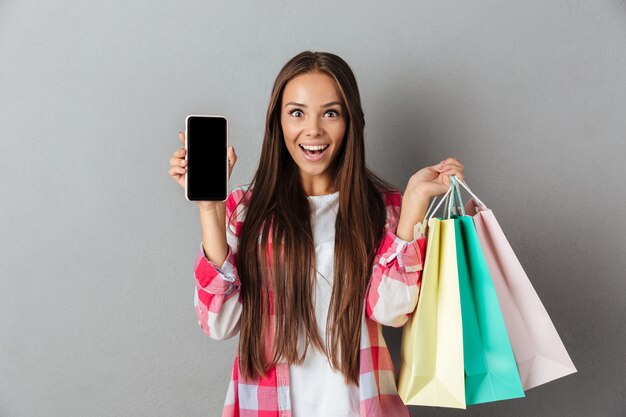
<point>338,134</point>
<point>289,131</point>
<point>289,140</point>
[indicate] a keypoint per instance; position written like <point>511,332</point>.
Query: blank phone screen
<point>207,160</point>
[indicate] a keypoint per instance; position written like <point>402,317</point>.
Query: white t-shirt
<point>317,389</point>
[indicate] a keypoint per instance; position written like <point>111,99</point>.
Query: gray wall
<point>98,243</point>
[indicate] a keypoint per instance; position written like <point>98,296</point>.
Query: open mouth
<point>313,151</point>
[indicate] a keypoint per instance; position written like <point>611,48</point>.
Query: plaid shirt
<point>391,296</point>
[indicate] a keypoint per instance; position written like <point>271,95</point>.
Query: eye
<point>333,113</point>
<point>296,113</point>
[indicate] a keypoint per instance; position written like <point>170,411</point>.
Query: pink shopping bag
<point>539,352</point>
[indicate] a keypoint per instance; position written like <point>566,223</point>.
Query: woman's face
<point>314,123</point>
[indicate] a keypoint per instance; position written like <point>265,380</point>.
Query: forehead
<point>317,87</point>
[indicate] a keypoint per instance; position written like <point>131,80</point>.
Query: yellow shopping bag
<point>431,368</point>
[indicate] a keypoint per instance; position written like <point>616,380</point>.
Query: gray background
<point>98,243</point>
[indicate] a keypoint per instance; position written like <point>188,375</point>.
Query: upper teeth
<point>314,148</point>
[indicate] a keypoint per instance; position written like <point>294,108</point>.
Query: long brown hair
<point>278,220</point>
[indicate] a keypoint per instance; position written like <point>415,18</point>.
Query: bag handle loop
<point>452,196</point>
<point>428,217</point>
<point>458,201</point>
<point>453,201</point>
<point>480,203</point>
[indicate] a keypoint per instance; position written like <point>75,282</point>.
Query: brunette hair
<point>276,258</point>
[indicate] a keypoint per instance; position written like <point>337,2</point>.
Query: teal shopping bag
<point>490,369</point>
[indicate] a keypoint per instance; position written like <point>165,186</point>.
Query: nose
<point>314,128</point>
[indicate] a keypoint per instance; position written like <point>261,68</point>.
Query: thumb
<point>438,189</point>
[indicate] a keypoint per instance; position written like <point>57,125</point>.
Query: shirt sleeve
<point>395,282</point>
<point>217,287</point>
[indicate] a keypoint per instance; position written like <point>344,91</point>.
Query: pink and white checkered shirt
<point>391,296</point>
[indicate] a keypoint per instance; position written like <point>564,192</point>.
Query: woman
<point>309,308</point>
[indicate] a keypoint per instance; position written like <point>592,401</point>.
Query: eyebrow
<point>332,103</point>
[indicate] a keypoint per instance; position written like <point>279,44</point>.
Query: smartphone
<point>206,142</point>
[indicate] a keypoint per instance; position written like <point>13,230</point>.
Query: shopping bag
<point>490,369</point>
<point>431,365</point>
<point>539,352</point>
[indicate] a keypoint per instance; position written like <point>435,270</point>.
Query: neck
<point>317,186</point>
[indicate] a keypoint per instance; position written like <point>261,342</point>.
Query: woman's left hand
<point>434,180</point>
<point>422,186</point>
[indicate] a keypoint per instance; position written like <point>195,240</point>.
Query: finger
<point>451,162</point>
<point>454,172</point>
<point>232,159</point>
<point>182,151</point>
<point>458,162</point>
<point>439,167</point>
<point>455,167</point>
<point>232,156</point>
<point>179,153</point>
<point>177,171</point>
<point>451,159</point>
<point>447,169</point>
<point>175,161</point>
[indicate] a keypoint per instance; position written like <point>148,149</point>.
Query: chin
<point>313,172</point>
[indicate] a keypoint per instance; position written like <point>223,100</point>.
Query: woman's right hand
<point>178,169</point>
